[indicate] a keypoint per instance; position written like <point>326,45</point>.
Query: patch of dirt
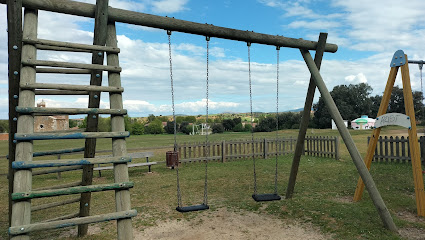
<point>412,233</point>
<point>73,232</point>
<point>344,199</point>
<point>226,225</point>
<point>410,217</point>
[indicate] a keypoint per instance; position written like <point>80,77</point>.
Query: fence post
<point>337,148</point>
<point>265,148</point>
<point>223,151</point>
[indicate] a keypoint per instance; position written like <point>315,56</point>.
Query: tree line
<point>355,100</point>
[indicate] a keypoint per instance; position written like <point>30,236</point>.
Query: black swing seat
<point>193,208</point>
<point>266,197</point>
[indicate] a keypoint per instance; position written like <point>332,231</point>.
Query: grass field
<point>322,194</point>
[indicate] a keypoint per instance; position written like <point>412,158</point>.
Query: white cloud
<point>317,24</point>
<point>169,6</point>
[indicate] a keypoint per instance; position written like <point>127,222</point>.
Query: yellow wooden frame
<point>413,137</point>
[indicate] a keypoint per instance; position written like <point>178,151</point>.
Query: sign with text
<point>390,119</point>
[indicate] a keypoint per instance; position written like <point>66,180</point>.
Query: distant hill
<point>295,110</point>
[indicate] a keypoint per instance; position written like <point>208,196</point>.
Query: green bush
<point>137,129</point>
<point>155,127</point>
<point>218,128</point>
<point>238,128</point>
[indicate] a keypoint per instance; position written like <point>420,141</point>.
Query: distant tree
<point>376,102</point>
<point>237,120</point>
<point>104,124</point>
<point>137,128</point>
<point>155,127</point>
<point>352,102</point>
<point>151,118</point>
<point>72,123</point>
<point>169,128</point>
<point>238,128</point>
<point>190,119</point>
<point>396,104</point>
<point>217,128</point>
<point>162,118</point>
<point>183,127</point>
<point>247,128</point>
<point>4,126</point>
<point>228,124</point>
<point>268,124</point>
<point>128,122</point>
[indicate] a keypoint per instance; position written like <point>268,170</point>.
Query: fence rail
<point>396,149</point>
<point>260,148</point>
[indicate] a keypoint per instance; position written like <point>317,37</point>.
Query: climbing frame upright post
<point>409,121</point>
<point>21,225</point>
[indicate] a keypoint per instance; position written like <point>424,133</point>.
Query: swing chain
<point>277,116</point>
<point>207,150</point>
<point>250,105</point>
<point>179,195</point>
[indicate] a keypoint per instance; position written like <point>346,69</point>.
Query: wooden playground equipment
<point>408,121</point>
<point>23,66</point>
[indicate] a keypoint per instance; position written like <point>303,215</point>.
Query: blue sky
<point>367,33</point>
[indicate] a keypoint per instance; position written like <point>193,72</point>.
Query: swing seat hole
<point>172,159</point>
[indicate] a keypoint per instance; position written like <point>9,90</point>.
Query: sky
<point>367,34</point>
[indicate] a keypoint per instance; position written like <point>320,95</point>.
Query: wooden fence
<point>390,149</point>
<point>261,148</point>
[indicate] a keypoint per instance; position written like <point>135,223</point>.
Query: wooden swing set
<point>23,44</point>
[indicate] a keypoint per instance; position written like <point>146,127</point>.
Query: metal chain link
<point>252,119</point>
<point>179,195</point>
<point>207,143</point>
<point>277,116</point>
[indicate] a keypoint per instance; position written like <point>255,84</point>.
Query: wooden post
<point>337,148</point>
<point>223,151</point>
<point>122,196</point>
<point>265,148</point>
<point>21,210</point>
<point>352,149</point>
<point>101,20</point>
<point>413,141</point>
<point>14,34</point>
<point>299,147</point>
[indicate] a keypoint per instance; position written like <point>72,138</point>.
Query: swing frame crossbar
<point>171,24</point>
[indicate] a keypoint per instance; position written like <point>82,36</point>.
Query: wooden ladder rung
<point>63,70</point>
<point>69,216</point>
<point>72,135</point>
<point>65,185</point>
<point>68,162</point>
<point>15,230</point>
<point>129,165</point>
<point>72,190</point>
<point>69,111</point>
<point>55,204</point>
<point>56,152</point>
<point>89,88</point>
<point>71,65</point>
<point>57,170</point>
<point>60,92</point>
<point>75,46</point>
<point>62,49</point>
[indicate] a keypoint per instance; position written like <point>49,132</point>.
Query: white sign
<point>393,119</point>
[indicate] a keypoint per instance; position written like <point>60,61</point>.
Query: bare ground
<point>226,225</point>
